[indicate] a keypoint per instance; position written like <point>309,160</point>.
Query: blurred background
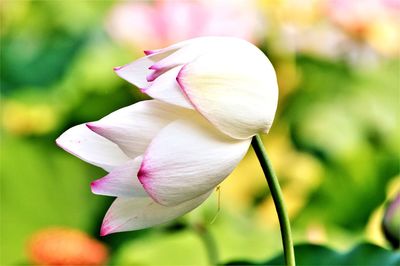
<point>335,143</point>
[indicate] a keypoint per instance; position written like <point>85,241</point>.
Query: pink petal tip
<point>104,230</point>
<point>94,186</point>
<point>93,127</point>
<point>145,179</point>
<point>148,52</point>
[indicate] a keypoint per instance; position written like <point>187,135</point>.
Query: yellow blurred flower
<point>299,174</point>
<point>316,234</point>
<point>288,77</point>
<point>384,36</point>
<point>373,230</point>
<point>23,119</point>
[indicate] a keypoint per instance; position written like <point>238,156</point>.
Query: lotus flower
<point>165,156</point>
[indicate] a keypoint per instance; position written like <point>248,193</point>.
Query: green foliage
<point>347,119</point>
<point>363,254</point>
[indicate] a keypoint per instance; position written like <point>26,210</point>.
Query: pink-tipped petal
<point>188,158</point>
<point>127,214</point>
<point>133,127</point>
<point>91,147</point>
<point>122,181</point>
<point>166,89</point>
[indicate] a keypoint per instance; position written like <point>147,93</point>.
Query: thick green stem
<point>277,197</point>
<point>209,243</point>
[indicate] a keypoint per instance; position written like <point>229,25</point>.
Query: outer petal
<point>122,181</point>
<point>187,159</point>
<point>92,148</point>
<point>234,88</point>
<point>186,52</point>
<point>126,214</point>
<point>166,88</point>
<point>133,127</point>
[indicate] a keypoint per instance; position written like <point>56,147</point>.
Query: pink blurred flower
<point>362,32</point>
<point>356,16</point>
<point>152,25</point>
<point>373,22</point>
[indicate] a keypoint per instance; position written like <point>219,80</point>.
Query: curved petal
<point>188,158</point>
<point>127,214</point>
<point>92,148</point>
<point>134,126</point>
<point>186,51</point>
<point>122,181</point>
<point>235,89</point>
<point>166,89</point>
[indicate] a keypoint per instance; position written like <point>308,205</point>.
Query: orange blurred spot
<point>62,246</point>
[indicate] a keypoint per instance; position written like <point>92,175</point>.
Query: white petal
<point>188,158</point>
<point>234,88</point>
<point>166,89</point>
<point>133,127</point>
<point>136,71</point>
<point>127,214</point>
<point>122,181</point>
<point>92,148</point>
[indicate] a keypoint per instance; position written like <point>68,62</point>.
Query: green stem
<point>209,243</point>
<point>277,197</point>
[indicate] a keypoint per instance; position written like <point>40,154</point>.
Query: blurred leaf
<point>237,234</point>
<point>239,237</point>
<point>308,254</point>
<point>42,64</point>
<point>42,186</point>
<point>347,118</point>
<point>181,248</point>
<point>41,39</point>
